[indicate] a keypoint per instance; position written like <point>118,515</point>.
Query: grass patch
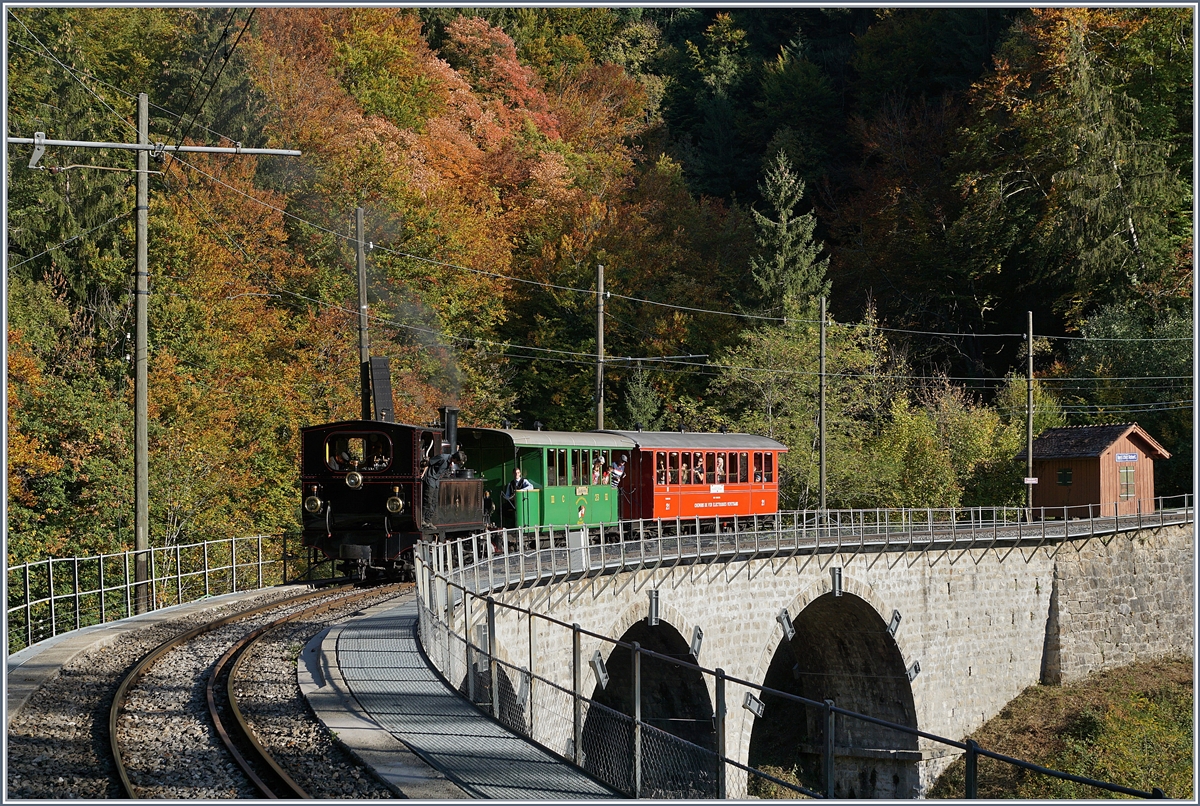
<point>1130,726</point>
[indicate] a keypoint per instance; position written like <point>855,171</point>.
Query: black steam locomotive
<point>372,488</point>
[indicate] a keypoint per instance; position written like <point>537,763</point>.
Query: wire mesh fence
<point>57,595</point>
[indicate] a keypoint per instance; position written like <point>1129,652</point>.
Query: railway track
<point>131,718</point>
<point>222,755</point>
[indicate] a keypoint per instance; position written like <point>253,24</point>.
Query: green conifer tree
<point>787,266</point>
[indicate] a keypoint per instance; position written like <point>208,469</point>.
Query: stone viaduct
<point>938,640</point>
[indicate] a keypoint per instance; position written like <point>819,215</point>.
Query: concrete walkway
<point>381,666</point>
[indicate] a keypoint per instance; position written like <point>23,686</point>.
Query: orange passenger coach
<point>688,475</point>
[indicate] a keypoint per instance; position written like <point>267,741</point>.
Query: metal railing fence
<point>546,699</point>
<point>57,595</point>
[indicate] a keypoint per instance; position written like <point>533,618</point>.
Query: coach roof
<point>698,441</point>
<point>556,439</point>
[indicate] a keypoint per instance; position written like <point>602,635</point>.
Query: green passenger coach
<point>569,472</point>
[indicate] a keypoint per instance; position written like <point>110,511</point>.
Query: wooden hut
<point>1109,467</point>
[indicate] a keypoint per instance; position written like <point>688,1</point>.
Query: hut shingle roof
<point>1087,441</point>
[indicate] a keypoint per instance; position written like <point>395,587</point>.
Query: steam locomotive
<point>372,488</point>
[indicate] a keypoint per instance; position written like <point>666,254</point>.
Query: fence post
<point>448,613</point>
<point>76,581</point>
<point>260,562</point>
<point>283,581</point>
<point>492,645</point>
<point>577,685</point>
<point>153,583</point>
<point>178,574</point>
<point>719,714</point>
<point>829,726</point>
<point>233,561</point>
<point>206,593</point>
<point>972,773</point>
<point>103,612</point>
<point>53,613</point>
<point>467,653</point>
<point>637,719</point>
<point>128,598</point>
<point>28,611</point>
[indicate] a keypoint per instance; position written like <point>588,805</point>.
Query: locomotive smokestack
<point>450,427</point>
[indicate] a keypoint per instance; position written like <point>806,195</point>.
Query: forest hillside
<point>934,173</point>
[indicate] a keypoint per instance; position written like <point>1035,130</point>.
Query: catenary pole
<point>599,347</point>
<point>1029,419</point>
<point>821,413</point>
<point>364,346</point>
<point>141,449</point>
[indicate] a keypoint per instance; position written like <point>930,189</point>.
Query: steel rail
<point>152,657</point>
<point>240,650</point>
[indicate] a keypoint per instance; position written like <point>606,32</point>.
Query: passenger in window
<point>597,470</point>
<point>519,484</point>
<point>333,462</point>
<point>720,468</point>
<point>698,468</point>
<point>618,471</point>
<point>662,469</point>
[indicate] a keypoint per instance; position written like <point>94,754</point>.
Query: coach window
<point>757,466</point>
<point>743,467</point>
<point>673,467</point>
<point>720,468</point>
<point>769,462</point>
<point>685,470</point>
<point>577,464</point>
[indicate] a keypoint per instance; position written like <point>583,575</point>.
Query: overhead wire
<point>579,357</point>
<point>204,71</point>
<point>69,240</point>
<point>216,79</point>
<point>71,72</point>
<point>575,356</point>
<point>544,284</point>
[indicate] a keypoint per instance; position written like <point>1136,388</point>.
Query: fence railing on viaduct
<point>549,703</point>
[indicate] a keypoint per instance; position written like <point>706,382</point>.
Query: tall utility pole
<point>364,347</point>
<point>821,413</point>
<point>141,446</point>
<point>1029,420</point>
<point>141,449</point>
<point>599,347</point>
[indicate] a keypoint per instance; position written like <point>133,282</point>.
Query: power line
<point>204,71</point>
<point>48,56</point>
<point>216,79</point>
<point>446,264</point>
<point>69,240</point>
<point>592,292</point>
<point>71,72</point>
